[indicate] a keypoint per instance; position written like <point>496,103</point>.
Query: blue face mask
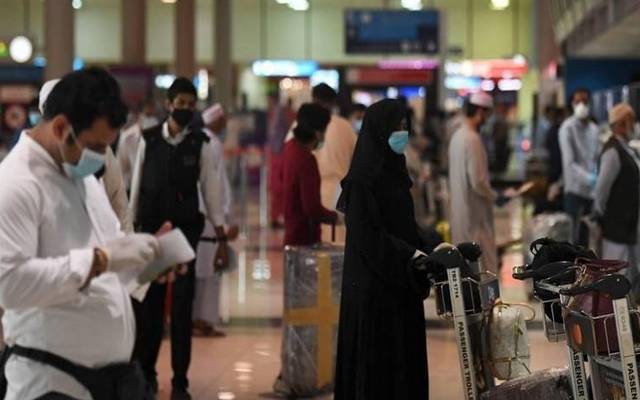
<point>90,162</point>
<point>398,141</point>
<point>357,125</point>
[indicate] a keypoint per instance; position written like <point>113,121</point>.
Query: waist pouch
<point>123,381</point>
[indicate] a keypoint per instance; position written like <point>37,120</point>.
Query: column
<point>134,32</point>
<point>59,38</point>
<point>185,38</point>
<point>223,72</point>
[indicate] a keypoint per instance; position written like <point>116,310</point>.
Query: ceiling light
<point>169,1</point>
<point>76,4</point>
<point>499,4</point>
<point>299,5</point>
<point>413,5</point>
<point>20,49</point>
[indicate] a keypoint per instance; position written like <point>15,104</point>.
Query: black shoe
<point>180,394</point>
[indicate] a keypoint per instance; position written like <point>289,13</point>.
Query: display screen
<point>391,31</point>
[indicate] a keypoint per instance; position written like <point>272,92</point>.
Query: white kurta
<point>472,198</point>
<point>113,183</point>
<point>206,301</point>
<point>49,226</point>
<point>128,151</point>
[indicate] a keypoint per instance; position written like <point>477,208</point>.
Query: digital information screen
<point>391,31</point>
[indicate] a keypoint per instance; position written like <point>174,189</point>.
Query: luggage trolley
<point>614,370</point>
<point>547,292</point>
<point>466,301</point>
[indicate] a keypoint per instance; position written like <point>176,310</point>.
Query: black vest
<point>620,219</point>
<point>169,184</point>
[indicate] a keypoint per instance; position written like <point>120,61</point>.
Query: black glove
<point>418,270</point>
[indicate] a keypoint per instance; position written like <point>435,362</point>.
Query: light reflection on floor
<point>245,363</point>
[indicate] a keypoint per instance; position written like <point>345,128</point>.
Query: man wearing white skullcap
<point>209,277</point>
<point>617,192</point>
<point>472,197</point>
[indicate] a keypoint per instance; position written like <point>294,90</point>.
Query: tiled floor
<point>244,364</point>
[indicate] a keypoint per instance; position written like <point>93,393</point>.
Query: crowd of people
<point>85,201</point>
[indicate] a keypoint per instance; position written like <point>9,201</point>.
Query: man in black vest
<point>617,197</point>
<point>172,160</point>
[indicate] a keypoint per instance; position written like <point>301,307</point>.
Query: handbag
<point>586,332</point>
<point>546,251</point>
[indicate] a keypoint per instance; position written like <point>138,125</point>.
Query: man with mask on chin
<point>472,197</point>
<point>580,147</point>
<point>173,161</point>
<point>617,193</point>
<point>64,261</point>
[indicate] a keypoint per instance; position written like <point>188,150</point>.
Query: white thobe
<point>472,198</point>
<point>128,151</point>
<point>206,301</point>
<point>113,183</point>
<point>49,226</point>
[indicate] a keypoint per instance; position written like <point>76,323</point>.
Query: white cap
<point>44,93</point>
<point>481,99</point>
<point>212,113</point>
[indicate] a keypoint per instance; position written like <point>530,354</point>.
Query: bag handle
<point>602,265</point>
<point>499,303</point>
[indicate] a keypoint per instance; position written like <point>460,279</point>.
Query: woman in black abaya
<point>381,340</point>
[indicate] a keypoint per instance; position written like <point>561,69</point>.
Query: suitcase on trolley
<point>312,288</point>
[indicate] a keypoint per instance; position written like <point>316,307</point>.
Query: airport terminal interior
<point>317,199</point>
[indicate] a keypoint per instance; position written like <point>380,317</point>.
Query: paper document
<point>174,250</point>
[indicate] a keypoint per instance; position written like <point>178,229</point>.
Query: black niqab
<point>372,154</point>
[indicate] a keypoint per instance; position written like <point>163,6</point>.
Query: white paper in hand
<point>174,250</point>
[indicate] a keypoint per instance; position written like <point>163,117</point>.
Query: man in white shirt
<point>173,162</point>
<point>208,276</point>
<point>64,261</point>
<point>130,138</point>
<point>110,175</point>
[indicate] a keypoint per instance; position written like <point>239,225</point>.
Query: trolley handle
<point>552,280</point>
<point>447,256</point>
<point>546,271</point>
<point>614,285</point>
<point>470,251</point>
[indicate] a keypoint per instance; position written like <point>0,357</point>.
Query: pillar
<point>185,39</point>
<point>134,32</point>
<point>59,38</point>
<point>223,71</point>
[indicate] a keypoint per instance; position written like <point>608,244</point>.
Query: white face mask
<point>148,122</point>
<point>581,110</point>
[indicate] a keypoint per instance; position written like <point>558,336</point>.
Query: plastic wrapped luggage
<point>508,341</point>
<point>557,226</point>
<point>312,287</point>
<point>551,383</point>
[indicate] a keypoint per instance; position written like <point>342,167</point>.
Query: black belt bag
<point>113,382</point>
